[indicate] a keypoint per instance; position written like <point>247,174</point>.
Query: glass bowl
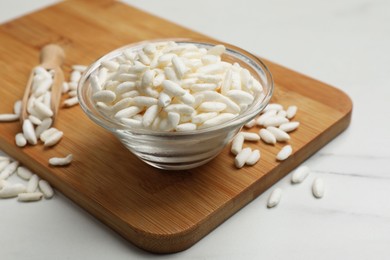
<point>179,150</point>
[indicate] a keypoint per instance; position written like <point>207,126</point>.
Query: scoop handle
<point>52,56</point>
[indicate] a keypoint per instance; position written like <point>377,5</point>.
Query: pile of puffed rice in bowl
<point>175,104</point>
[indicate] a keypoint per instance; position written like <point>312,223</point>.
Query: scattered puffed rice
<point>75,76</point>
<point>70,102</point>
<point>250,136</point>
<point>29,196</point>
<point>65,87</point>
<point>275,121</point>
<point>46,123</point>
<point>12,190</point>
<point>242,157</point>
<point>291,111</point>
<point>24,173</point>
<point>9,170</point>
<point>3,164</point>
<point>289,127</point>
<point>46,189</point>
<point>28,132</point>
<point>53,139</point>
<point>279,134</point>
<point>48,132</point>
<point>237,143</point>
<point>18,107</point>
<point>284,153</point>
<point>29,193</point>
<point>272,106</point>
<point>61,161</point>
<point>274,198</point>
<point>4,158</point>
<point>3,183</point>
<point>250,124</point>
<point>261,119</point>
<point>318,188</point>
<point>32,184</point>
<point>39,114</point>
<point>300,174</point>
<point>253,158</point>
<point>267,136</point>
<point>80,68</point>
<point>8,117</point>
<point>20,140</point>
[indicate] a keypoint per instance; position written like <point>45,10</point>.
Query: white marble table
<point>343,43</point>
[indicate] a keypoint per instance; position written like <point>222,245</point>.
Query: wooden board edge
<point>156,243</point>
<point>176,242</point>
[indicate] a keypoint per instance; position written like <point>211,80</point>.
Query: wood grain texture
<point>158,211</point>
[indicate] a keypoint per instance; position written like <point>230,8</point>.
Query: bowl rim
<point>254,109</point>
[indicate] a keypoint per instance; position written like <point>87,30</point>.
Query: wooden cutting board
<point>157,210</point>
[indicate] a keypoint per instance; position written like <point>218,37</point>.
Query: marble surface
<point>343,43</point>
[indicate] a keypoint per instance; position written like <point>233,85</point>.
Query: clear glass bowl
<point>179,150</point>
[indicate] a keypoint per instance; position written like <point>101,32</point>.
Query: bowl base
<point>177,166</point>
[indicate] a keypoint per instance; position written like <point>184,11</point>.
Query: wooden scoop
<point>51,58</point>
